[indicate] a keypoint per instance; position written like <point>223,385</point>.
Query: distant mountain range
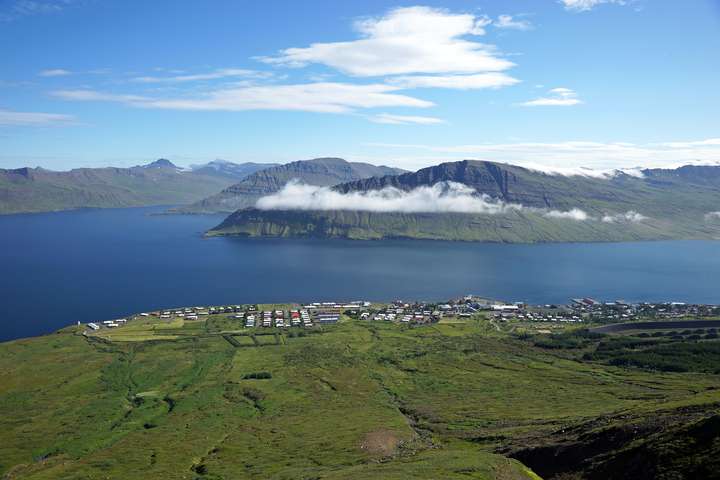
<point>234,171</point>
<point>318,172</point>
<point>527,206</point>
<point>157,183</point>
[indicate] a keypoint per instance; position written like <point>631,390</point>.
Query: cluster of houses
<point>620,310</point>
<point>322,313</point>
<point>108,324</point>
<point>677,310</point>
<point>401,312</point>
<point>194,313</point>
<point>551,316</point>
<point>277,318</point>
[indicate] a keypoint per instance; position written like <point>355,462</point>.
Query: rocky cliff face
<point>510,183</point>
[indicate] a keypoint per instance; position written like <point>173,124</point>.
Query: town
<point>578,311</point>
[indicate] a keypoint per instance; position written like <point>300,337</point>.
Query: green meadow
<point>208,400</point>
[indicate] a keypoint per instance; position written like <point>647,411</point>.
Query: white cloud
<point>411,48</point>
<point>587,158</point>
<point>311,97</point>
<point>55,72</point>
<point>510,22</point>
<point>33,119</point>
<point>214,75</point>
<point>441,197</point>
<point>630,216</point>
<point>557,97</point>
<point>460,82</point>
<point>392,119</point>
<point>586,5</point>
<point>712,215</point>
<point>573,214</point>
<point>404,41</point>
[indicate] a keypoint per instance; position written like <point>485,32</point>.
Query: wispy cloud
<point>460,82</point>
<point>55,72</point>
<point>324,97</point>
<point>587,5</point>
<point>61,72</point>
<point>392,119</point>
<point>214,75</point>
<point>95,96</point>
<point>34,119</point>
<point>631,216</point>
<point>574,214</point>
<point>709,142</point>
<point>405,41</point>
<point>14,9</point>
<point>512,23</point>
<point>557,97</point>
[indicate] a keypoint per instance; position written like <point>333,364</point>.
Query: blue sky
<point>562,84</point>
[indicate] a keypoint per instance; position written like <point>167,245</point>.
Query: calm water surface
<point>59,268</point>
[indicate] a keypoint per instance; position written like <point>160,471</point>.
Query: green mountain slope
<point>515,227</point>
<point>159,183</point>
<point>671,203</point>
<point>318,171</point>
<point>353,401</point>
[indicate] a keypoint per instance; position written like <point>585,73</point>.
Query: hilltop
<point>463,398</point>
<point>537,207</point>
<point>317,171</point>
<point>157,183</point>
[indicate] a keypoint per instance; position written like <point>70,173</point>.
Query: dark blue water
<point>58,268</point>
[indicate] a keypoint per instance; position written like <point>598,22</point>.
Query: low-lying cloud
<point>443,197</point>
<point>630,216</point>
<point>573,214</point>
<point>712,216</point>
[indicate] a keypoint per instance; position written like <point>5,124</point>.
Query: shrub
<point>257,376</point>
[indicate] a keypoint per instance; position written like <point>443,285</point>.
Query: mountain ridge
<point>661,204</point>
<point>236,171</point>
<point>27,190</point>
<point>323,171</point>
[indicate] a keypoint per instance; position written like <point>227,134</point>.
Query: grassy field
<point>176,399</point>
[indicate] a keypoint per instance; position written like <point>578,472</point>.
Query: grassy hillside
<point>673,204</point>
<point>514,227</point>
<point>159,183</point>
<point>158,399</point>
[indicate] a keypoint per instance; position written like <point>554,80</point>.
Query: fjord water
<point>89,265</point>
